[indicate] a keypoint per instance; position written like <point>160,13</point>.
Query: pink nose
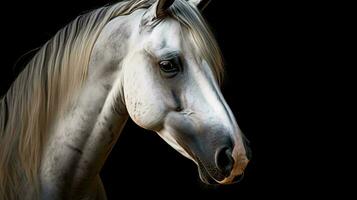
<point>224,160</point>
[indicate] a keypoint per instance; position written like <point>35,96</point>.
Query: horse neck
<point>82,139</point>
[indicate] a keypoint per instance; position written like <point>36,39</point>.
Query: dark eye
<point>168,68</point>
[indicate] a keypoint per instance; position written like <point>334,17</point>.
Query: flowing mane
<point>46,88</point>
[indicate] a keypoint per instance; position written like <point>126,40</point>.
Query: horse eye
<point>168,68</point>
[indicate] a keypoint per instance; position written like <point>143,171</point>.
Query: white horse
<point>152,60</point>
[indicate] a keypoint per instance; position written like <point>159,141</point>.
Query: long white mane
<point>46,88</point>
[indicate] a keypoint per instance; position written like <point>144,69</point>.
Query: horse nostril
<point>224,161</point>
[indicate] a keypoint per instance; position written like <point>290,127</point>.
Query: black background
<point>266,47</point>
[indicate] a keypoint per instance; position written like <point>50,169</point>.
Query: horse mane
<point>45,89</point>
<point>40,92</point>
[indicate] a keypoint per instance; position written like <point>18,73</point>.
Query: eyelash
<point>170,68</point>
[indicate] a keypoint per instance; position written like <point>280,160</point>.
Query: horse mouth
<point>209,174</point>
<point>205,176</point>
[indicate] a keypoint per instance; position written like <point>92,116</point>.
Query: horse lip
<point>206,176</point>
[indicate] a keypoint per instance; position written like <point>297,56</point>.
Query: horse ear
<point>161,6</point>
<point>200,4</point>
<point>156,10</point>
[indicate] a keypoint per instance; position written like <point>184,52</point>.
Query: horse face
<point>171,90</point>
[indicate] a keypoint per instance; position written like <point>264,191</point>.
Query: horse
<point>155,61</point>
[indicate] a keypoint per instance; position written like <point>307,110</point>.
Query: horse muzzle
<point>224,169</point>
<point>219,157</point>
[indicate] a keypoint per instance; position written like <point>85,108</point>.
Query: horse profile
<point>154,61</point>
